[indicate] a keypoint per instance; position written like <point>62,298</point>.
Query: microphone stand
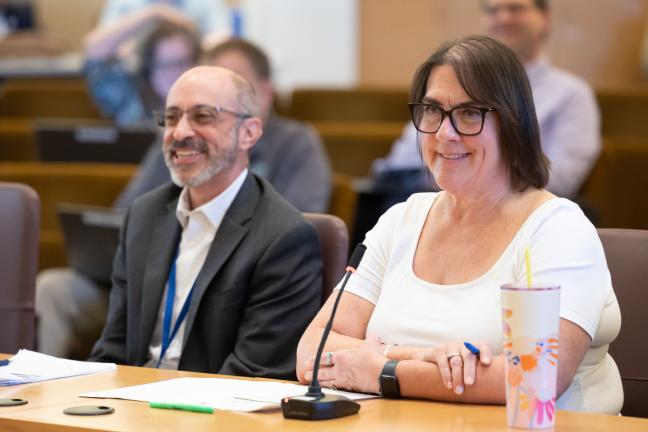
<point>315,405</point>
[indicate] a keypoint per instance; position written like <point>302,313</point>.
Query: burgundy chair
<point>626,252</point>
<point>19,230</point>
<point>334,240</point>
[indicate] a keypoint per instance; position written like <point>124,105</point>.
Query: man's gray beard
<point>216,164</point>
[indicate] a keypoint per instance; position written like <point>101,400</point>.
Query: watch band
<point>388,381</point>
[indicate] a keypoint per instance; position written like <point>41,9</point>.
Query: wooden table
<point>48,399</point>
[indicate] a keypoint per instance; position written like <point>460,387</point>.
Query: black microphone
<point>315,405</point>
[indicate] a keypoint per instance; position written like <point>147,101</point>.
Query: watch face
<point>388,382</point>
<point>389,386</point>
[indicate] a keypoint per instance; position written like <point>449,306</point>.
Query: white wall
<point>310,42</point>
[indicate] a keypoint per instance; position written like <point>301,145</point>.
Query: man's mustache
<point>192,143</point>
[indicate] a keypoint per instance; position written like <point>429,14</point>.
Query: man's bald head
<point>225,88</point>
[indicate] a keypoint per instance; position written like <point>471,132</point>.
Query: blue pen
<point>472,348</point>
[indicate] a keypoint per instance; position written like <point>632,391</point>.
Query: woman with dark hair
<point>431,277</point>
<point>129,93</point>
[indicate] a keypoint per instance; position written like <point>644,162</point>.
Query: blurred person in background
<point>565,104</point>
<point>129,93</point>
<point>211,17</point>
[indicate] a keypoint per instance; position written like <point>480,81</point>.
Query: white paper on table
<point>219,393</point>
<point>29,366</point>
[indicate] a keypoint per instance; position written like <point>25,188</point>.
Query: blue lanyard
<point>168,310</point>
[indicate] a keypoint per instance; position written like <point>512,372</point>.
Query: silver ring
<point>332,386</point>
<point>329,358</point>
<point>452,354</point>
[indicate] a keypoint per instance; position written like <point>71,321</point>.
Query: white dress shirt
<point>570,130</point>
<point>570,125</point>
<point>199,226</point>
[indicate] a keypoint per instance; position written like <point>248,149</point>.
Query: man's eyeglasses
<point>513,9</point>
<point>466,120</point>
<point>200,115</point>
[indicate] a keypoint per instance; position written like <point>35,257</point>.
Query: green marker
<point>182,407</point>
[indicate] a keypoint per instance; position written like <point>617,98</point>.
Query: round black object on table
<point>12,402</point>
<point>89,410</point>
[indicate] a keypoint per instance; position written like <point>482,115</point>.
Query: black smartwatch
<point>389,387</point>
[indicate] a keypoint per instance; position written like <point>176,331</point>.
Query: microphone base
<point>322,408</point>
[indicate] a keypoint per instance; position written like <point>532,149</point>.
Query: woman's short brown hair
<point>491,74</point>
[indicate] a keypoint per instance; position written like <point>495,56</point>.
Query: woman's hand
<point>457,365</point>
<point>355,369</point>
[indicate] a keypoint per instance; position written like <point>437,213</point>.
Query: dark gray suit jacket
<point>259,287</point>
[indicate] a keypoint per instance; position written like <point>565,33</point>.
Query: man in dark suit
<point>216,273</point>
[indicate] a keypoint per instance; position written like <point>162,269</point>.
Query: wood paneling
<point>598,40</point>
<point>67,21</point>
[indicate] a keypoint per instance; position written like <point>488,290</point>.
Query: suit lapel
<point>164,241</point>
<point>230,233</point>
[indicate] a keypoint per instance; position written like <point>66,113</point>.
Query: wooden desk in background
<point>48,399</point>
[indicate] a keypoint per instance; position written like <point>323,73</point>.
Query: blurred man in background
<point>565,105</point>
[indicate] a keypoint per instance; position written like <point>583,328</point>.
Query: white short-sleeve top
<point>565,250</point>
